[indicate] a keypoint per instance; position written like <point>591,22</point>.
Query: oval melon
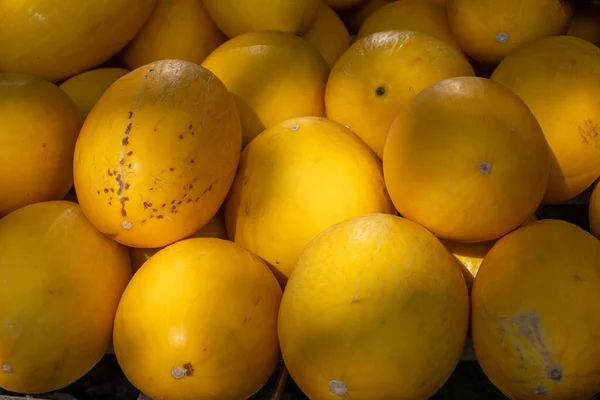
<point>86,88</point>
<point>157,154</point>
<point>56,40</point>
<point>39,125</point>
<point>273,76</point>
<point>534,306</point>
<point>559,79</point>
<point>61,283</point>
<point>199,322</point>
<point>474,172</point>
<point>295,180</point>
<point>376,308</point>
<point>380,73</point>
<point>176,29</point>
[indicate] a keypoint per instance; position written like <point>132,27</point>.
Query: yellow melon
<point>86,88</point>
<point>328,34</point>
<point>375,309</point>
<point>490,30</point>
<point>559,80</point>
<point>534,303</point>
<point>199,322</point>
<point>176,29</point>
<point>273,76</point>
<point>474,172</point>
<point>157,154</point>
<point>296,179</point>
<point>235,17</point>
<point>39,125</point>
<point>354,17</point>
<point>56,40</point>
<point>410,15</point>
<point>383,71</point>
<point>61,283</point>
<point>215,228</point>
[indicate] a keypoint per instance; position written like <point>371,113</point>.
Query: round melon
<point>383,71</point>
<point>215,228</point>
<point>273,76</point>
<point>56,40</point>
<point>474,172</point>
<point>235,17</point>
<point>60,287</point>
<point>295,180</point>
<point>39,125</point>
<point>199,322</point>
<point>375,309</point>
<point>176,29</point>
<point>490,30</point>
<point>328,34</point>
<point>534,303</point>
<point>86,88</point>
<point>559,80</point>
<point>157,154</point>
<point>412,15</point>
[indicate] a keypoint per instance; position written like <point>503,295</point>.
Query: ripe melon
<point>157,154</point>
<point>328,34</point>
<point>376,308</point>
<point>559,80</point>
<point>295,180</point>
<point>474,172</point>
<point>235,17</point>
<point>86,88</point>
<point>490,30</point>
<point>534,306</point>
<point>176,29</point>
<point>380,73</point>
<point>61,283</point>
<point>56,40</point>
<point>215,228</point>
<point>273,76</point>
<point>411,15</point>
<point>39,125</point>
<point>354,17</point>
<point>199,322</point>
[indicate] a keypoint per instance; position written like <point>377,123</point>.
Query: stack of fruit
<point>208,185</point>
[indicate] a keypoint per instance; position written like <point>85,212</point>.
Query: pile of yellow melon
<point>351,185</point>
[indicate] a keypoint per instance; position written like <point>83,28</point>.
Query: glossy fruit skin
<point>473,173</point>
<point>214,228</point>
<point>285,79</point>
<point>328,34</point>
<point>176,30</point>
<point>534,303</point>
<point>57,40</point>
<point>157,154</point>
<point>295,180</point>
<point>411,15</point>
<point>62,281</point>
<point>551,75</point>
<point>181,332</point>
<point>235,17</point>
<point>86,88</point>
<point>377,306</point>
<point>489,31</point>
<point>39,125</point>
<point>380,73</point>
